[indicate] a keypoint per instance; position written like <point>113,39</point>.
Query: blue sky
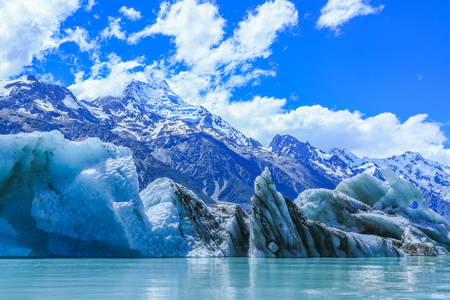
<point>340,73</point>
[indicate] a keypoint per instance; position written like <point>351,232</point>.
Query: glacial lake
<point>226,278</point>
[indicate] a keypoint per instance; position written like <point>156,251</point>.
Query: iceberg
<point>365,187</point>
<point>366,205</point>
<point>279,229</point>
<point>187,227</point>
<point>63,198</point>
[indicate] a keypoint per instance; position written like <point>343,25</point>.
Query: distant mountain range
<point>190,145</point>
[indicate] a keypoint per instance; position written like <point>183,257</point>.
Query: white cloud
<point>89,5</point>
<point>130,13</point>
<point>337,12</point>
<point>108,78</point>
<point>28,28</point>
<point>81,37</point>
<point>49,77</point>
<point>196,27</point>
<point>257,32</point>
<point>113,30</point>
<point>381,135</point>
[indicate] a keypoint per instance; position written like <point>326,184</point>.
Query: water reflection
<point>220,278</point>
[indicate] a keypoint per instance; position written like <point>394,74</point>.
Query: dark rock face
<point>221,228</point>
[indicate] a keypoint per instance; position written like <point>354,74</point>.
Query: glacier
<point>69,198</point>
<point>82,199</point>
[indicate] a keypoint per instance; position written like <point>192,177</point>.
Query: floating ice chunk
<point>279,229</point>
<point>330,207</point>
<point>70,198</point>
<point>395,219</point>
<point>188,227</point>
<point>270,222</point>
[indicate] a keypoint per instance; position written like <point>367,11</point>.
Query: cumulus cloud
<point>114,29</point>
<point>337,12</point>
<point>381,135</point>
<point>89,5</point>
<point>48,77</point>
<point>130,13</point>
<point>80,37</point>
<point>195,28</point>
<point>216,65</point>
<point>108,78</point>
<point>28,28</point>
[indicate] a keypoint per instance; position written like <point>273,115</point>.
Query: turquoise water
<point>226,278</point>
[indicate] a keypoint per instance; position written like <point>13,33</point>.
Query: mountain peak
<point>156,94</point>
<point>155,84</point>
<point>25,79</point>
<point>157,98</point>
<point>412,155</point>
<point>29,78</point>
<point>22,80</point>
<point>287,144</point>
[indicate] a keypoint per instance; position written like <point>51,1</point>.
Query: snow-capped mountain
<point>145,108</point>
<point>28,97</point>
<point>330,164</point>
<point>169,137</point>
